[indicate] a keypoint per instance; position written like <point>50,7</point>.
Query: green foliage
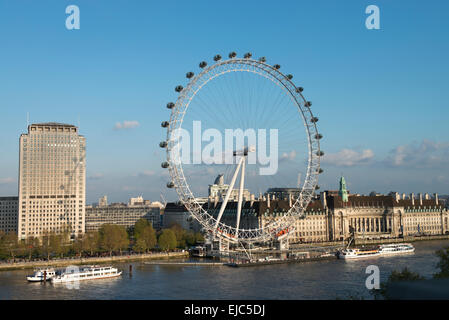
<point>91,242</point>
<point>45,248</point>
<point>140,245</point>
<point>167,240</point>
<point>77,246</point>
<point>3,248</point>
<point>30,247</point>
<point>113,238</point>
<point>149,235</point>
<point>443,264</point>
<point>185,238</point>
<point>10,243</point>
<point>189,238</point>
<point>139,226</point>
<point>144,235</point>
<point>199,238</point>
<point>404,275</point>
<point>180,234</point>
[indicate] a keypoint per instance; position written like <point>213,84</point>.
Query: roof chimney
<point>290,200</point>
<point>403,196</point>
<point>436,198</point>
<point>397,197</point>
<point>412,197</point>
<point>323,199</point>
<point>420,198</point>
<point>268,201</point>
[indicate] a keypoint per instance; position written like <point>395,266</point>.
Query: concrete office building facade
<point>52,181</point>
<point>8,214</point>
<point>123,214</point>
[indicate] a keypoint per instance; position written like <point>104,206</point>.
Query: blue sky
<point>381,95</point>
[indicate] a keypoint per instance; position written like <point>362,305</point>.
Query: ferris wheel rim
<point>175,167</point>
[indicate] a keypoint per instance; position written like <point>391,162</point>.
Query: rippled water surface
<point>312,280</point>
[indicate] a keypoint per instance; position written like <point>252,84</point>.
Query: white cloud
<point>426,154</point>
<point>7,180</point>
<point>288,156</point>
<point>95,176</point>
<point>348,158</point>
<point>126,125</point>
<point>148,173</point>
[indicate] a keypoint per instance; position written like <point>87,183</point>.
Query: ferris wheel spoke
<point>228,193</point>
<point>239,207</point>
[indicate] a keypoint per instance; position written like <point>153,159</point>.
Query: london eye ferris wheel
<point>249,96</point>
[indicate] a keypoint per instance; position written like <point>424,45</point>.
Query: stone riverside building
<point>336,216</point>
<point>52,180</point>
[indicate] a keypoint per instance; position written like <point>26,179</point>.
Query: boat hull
<point>73,279</point>
<point>37,279</point>
<point>357,257</point>
<point>38,275</point>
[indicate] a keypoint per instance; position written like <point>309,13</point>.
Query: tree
<point>167,240</point>
<point>140,245</point>
<point>443,264</point>
<point>77,246</point>
<point>113,237</point>
<point>31,245</point>
<point>199,237</point>
<point>148,235</point>
<point>45,247</point>
<point>91,242</point>
<point>144,235</point>
<point>57,245</point>
<point>139,226</point>
<point>180,235</point>
<point>190,238</point>
<point>404,275</point>
<point>3,252</point>
<point>10,242</point>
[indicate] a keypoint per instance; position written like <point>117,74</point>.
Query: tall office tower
<point>52,180</point>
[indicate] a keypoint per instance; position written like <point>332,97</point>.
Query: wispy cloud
<point>427,154</point>
<point>7,180</point>
<point>126,125</point>
<point>348,158</point>
<point>147,173</point>
<point>424,154</point>
<point>288,156</point>
<point>95,176</point>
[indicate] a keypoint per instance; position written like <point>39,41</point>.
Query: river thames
<point>336,279</point>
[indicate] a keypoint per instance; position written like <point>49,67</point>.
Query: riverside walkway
<point>182,263</point>
<point>90,260</point>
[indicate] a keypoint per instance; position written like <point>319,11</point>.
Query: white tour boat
<point>40,275</point>
<point>358,253</point>
<point>396,248</point>
<point>87,273</point>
